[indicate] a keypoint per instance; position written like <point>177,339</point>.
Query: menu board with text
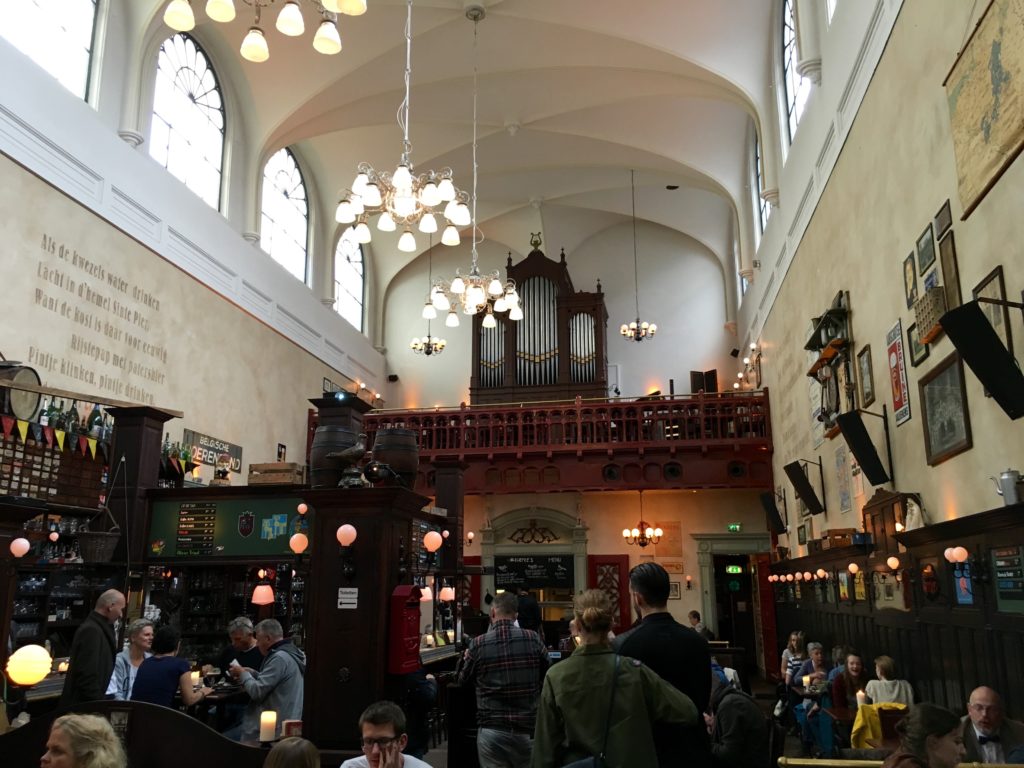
<point>1008,567</point>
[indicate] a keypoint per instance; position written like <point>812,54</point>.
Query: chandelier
<point>643,534</point>
<point>179,16</point>
<point>428,345</point>
<point>403,198</point>
<point>636,330</point>
<point>476,291</point>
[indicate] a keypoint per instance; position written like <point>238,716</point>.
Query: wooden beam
<point>43,390</point>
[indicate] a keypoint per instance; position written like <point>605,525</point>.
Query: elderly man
<point>698,625</point>
<point>988,736</point>
<point>277,685</point>
<point>92,652</point>
<point>242,647</point>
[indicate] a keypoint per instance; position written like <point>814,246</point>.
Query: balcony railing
<point>688,422</point>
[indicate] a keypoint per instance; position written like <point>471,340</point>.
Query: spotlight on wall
<point>689,582</point>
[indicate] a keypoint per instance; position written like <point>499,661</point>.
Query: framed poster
<point>801,534</point>
<point>944,414</point>
<point>843,478</point>
<point>918,351</point>
<point>925,250</point>
<point>962,585</point>
<point>992,287</point>
<point>867,376</point>
<point>898,373</point>
<point>844,585</point>
<point>674,592</point>
<point>910,280</point>
<point>943,219</point>
<point>860,590</point>
<point>950,272</point>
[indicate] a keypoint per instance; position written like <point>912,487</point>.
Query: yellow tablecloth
<point>867,726</point>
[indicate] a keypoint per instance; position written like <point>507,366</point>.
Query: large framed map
<point>985,94</point>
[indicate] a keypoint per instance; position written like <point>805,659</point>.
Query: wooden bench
<point>153,736</point>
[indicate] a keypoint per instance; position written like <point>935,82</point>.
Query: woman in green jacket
<point>573,719</point>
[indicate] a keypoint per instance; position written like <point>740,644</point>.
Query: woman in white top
<point>886,689</point>
<point>793,656</point>
<point>127,662</point>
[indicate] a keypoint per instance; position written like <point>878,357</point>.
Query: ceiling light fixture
<point>636,330</point>
<point>402,198</point>
<point>428,345</point>
<point>475,292</point>
<point>643,534</point>
<point>179,16</point>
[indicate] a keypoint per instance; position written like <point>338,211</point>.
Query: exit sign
<point>734,527</point>
<point>734,569</point>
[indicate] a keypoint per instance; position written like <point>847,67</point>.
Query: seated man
<point>988,736</point>
<point>242,648</point>
<point>382,725</point>
<point>277,685</point>
<point>739,729</point>
<point>698,626</point>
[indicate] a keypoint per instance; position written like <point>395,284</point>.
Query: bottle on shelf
<point>94,424</point>
<point>44,413</point>
<point>72,419</point>
<point>57,417</point>
<point>108,427</point>
<point>165,451</point>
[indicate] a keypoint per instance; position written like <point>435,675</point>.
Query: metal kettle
<point>1006,486</point>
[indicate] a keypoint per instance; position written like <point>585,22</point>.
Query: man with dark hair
<point>678,655</point>
<point>507,665</point>
<point>698,626</point>
<point>529,611</point>
<point>92,652</point>
<point>383,738</point>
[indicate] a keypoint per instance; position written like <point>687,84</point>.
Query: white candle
<point>807,681</point>
<point>861,698</point>
<point>268,725</point>
<point>195,678</point>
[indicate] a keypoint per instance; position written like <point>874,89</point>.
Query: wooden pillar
<point>449,493</point>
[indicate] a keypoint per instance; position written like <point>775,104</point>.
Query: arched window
<point>762,206</point>
<point>796,88</point>
<point>187,132</point>
<point>348,279</point>
<point>284,225</point>
<point>57,35</point>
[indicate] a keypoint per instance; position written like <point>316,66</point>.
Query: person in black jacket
<point>675,653</point>
<point>529,612</point>
<point>92,652</point>
<point>739,729</point>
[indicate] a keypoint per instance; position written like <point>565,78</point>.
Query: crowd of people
<point>929,736</point>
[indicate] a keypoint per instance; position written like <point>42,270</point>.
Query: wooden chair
<point>888,718</point>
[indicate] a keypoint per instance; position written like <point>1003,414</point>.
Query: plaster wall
<point>892,176</point>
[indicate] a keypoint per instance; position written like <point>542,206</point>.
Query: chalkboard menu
<point>222,528</point>
<point>1008,565</point>
<point>533,571</point>
<point>422,562</point>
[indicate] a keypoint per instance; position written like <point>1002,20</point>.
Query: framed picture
<point>943,220</point>
<point>931,280</point>
<point>674,592</point>
<point>992,287</point>
<point>925,250</point>
<point>944,414</point>
<point>844,585</point>
<point>910,280</point>
<point>950,272</point>
<point>962,585</point>
<point>801,534</point>
<point>918,351</point>
<point>867,376</point>
<point>898,373</point>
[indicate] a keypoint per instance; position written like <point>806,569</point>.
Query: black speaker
<point>802,487</point>
<point>983,351</point>
<point>775,524</point>
<point>611,473</point>
<point>737,469</point>
<point>856,434</point>
<point>673,470</point>
<point>696,382</point>
<point>711,380</point>
<point>392,377</point>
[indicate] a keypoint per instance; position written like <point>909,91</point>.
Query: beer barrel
<point>326,472</point>
<point>17,402</point>
<point>399,450</point>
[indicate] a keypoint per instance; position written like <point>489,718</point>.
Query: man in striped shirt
<point>507,666</point>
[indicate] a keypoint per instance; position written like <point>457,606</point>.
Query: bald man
<point>988,736</point>
<point>92,652</point>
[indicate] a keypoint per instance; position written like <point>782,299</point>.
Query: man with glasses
<point>383,738</point>
<point>988,736</point>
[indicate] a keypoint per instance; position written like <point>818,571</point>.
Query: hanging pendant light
<point>429,345</point>
<point>220,10</point>
<point>289,20</point>
<point>179,17</point>
<point>637,330</point>
<point>254,46</point>
<point>327,40</point>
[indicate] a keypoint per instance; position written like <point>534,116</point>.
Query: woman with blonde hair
<point>293,752</point>
<point>598,703</point>
<point>887,689</point>
<point>127,662</point>
<point>82,741</point>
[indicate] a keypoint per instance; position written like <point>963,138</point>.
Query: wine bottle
<point>94,424</point>
<point>44,413</point>
<point>73,424</point>
<point>166,450</point>
<point>59,419</point>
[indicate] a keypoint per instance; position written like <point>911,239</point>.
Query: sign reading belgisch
<point>533,571</point>
<point>206,449</point>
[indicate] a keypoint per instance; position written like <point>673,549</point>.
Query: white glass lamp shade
<point>404,204</point>
<point>29,665</point>
<point>289,20</point>
<point>179,17</point>
<point>799,576</point>
<point>439,299</point>
<point>344,214</point>
<point>489,321</point>
<point>735,385</point>
<point>263,595</point>
<point>357,205</point>
<point>426,595</point>
<point>351,7</point>
<point>334,6</point>
<point>220,10</point>
<point>649,532</point>
<point>960,554</point>
<point>635,532</point>
<point>360,183</point>
<point>402,178</point>
<point>495,288</point>
<point>515,313</point>
<point>450,236</point>
<point>19,547</point>
<point>462,217</point>
<point>746,361</point>
<point>429,311</point>
<point>371,195</point>
<point>362,233</point>
<point>446,190</point>
<point>652,328</point>
<point>458,285</point>
<point>808,576</point>
<point>346,534</point>
<point>407,242</point>
<point>500,305</point>
<point>385,223</point>
<point>428,224</point>
<point>658,532</point>
<point>447,594</point>
<point>254,46</point>
<point>298,543</point>
<point>449,210</point>
<point>625,533</point>
<point>327,40</point>
<point>451,320</point>
<point>475,295</point>
<point>429,195</point>
<point>432,541</point>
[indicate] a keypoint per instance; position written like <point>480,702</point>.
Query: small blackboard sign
<point>533,571</point>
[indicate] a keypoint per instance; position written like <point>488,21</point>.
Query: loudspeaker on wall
<point>802,487</point>
<point>775,524</point>
<point>857,438</point>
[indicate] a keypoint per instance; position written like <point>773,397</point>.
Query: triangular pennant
<point>37,432</point>
<point>177,466</point>
<point>83,444</point>
<point>48,434</point>
<point>60,433</point>
<point>92,446</point>
<point>22,429</point>
<point>8,422</point>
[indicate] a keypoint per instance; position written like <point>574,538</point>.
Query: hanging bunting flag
<point>60,433</point>
<point>177,466</point>
<point>92,446</point>
<point>48,434</point>
<point>8,422</point>
<point>37,432</point>
<point>22,429</point>
<point>83,444</point>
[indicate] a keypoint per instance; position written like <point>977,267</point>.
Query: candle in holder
<point>268,725</point>
<point>807,681</point>
<point>195,678</point>
<point>62,667</point>
<point>861,698</point>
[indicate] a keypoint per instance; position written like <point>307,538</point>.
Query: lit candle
<point>62,667</point>
<point>195,678</point>
<point>861,698</point>
<point>268,725</point>
<point>807,681</point>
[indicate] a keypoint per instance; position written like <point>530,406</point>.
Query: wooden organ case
<point>558,351</point>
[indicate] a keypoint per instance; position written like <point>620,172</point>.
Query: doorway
<point>734,607</point>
